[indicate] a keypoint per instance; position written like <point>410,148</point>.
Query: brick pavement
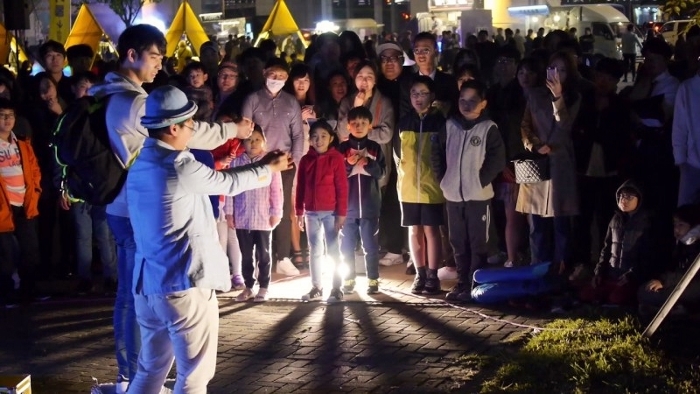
<point>389,343</point>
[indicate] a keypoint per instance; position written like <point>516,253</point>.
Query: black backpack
<point>89,169</point>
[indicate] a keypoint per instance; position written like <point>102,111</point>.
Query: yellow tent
<point>8,45</point>
<point>94,23</point>
<point>186,22</point>
<point>280,23</point>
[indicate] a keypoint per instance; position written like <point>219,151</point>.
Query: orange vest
<point>32,177</point>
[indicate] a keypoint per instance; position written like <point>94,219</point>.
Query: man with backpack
<point>141,49</point>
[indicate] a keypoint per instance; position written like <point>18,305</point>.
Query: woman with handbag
<point>546,130</point>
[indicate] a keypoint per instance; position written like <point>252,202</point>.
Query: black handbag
<point>531,167</point>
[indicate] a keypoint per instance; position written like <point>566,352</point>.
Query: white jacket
<point>126,106</point>
<point>686,123</point>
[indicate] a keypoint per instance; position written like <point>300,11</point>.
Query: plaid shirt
<point>252,209</point>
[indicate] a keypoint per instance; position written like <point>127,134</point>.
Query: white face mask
<point>274,85</point>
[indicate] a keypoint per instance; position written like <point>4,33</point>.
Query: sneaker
<point>261,296</point>
<point>122,385</point>
<point>286,267</point>
<point>498,258</point>
<point>432,286</point>
<point>458,293</point>
<point>349,286</point>
<point>410,268</point>
<point>418,285</point>
<point>237,282</point>
<point>390,259</point>
<point>447,273</point>
<point>314,295</point>
<point>245,295</point>
<point>508,264</point>
<point>373,287</point>
<point>336,295</point>
<point>12,301</point>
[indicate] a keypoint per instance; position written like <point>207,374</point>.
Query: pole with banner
<point>59,24</point>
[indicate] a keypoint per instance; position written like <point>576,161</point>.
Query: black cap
<point>277,62</point>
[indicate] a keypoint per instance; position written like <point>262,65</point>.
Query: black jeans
<point>258,242</point>
<point>282,234</point>
<point>597,196</point>
<point>468,223</point>
<point>19,250</point>
<point>630,61</point>
<point>392,236</point>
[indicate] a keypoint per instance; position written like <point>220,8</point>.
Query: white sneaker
<point>447,273</point>
<point>286,267</point>
<point>121,385</point>
<point>391,259</point>
<point>508,264</point>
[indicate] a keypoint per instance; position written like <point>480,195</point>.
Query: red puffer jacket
<point>322,183</point>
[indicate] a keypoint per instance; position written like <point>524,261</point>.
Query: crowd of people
<point>387,153</point>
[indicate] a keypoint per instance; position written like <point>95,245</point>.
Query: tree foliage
<point>677,9</point>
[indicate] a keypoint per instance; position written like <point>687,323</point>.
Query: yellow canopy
<point>186,22</point>
<point>92,24</point>
<point>280,23</point>
<point>7,41</point>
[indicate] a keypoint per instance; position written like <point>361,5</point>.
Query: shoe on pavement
<point>349,286</point>
<point>373,286</point>
<point>418,285</point>
<point>498,258</point>
<point>85,287</point>
<point>432,286</point>
<point>390,259</point>
<point>410,268</point>
<point>12,301</point>
<point>336,295</point>
<point>121,385</point>
<point>457,293</point>
<point>286,267</point>
<point>447,273</point>
<point>508,264</point>
<point>245,295</point>
<point>237,282</point>
<point>314,294</point>
<point>261,296</point>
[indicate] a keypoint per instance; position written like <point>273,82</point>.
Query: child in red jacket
<point>322,203</point>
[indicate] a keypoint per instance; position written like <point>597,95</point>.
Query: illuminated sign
<point>452,5</point>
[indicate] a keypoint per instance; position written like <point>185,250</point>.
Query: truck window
<point>602,30</point>
<point>668,27</point>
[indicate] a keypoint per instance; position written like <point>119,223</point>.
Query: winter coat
<point>557,196</point>
<point>323,184</point>
<point>364,196</point>
<point>32,181</point>
<point>413,146</point>
<point>628,249</point>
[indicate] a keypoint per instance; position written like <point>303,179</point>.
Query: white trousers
<point>182,326</point>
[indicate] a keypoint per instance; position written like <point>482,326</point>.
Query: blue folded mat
<point>494,293</point>
<point>495,275</point>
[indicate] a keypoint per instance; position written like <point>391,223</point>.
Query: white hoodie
<point>126,106</point>
<point>686,123</point>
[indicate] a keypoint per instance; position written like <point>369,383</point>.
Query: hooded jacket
<point>413,146</point>
<point>126,106</point>
<point>364,197</point>
<point>628,249</point>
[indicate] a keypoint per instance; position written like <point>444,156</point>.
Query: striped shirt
<point>11,170</point>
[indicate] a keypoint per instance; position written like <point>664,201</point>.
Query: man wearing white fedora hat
<point>141,49</point>
<point>179,262</point>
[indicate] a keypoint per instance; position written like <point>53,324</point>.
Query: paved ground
<point>392,342</point>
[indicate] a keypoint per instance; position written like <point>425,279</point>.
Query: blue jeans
<point>91,220</point>
<point>367,230</point>
<point>320,227</point>
<point>127,336</point>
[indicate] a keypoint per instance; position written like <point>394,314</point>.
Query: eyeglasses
<point>390,59</point>
<point>190,127</point>
<point>7,116</point>
<point>228,76</point>
<point>626,196</point>
<point>422,51</point>
<point>420,94</point>
<point>505,61</point>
